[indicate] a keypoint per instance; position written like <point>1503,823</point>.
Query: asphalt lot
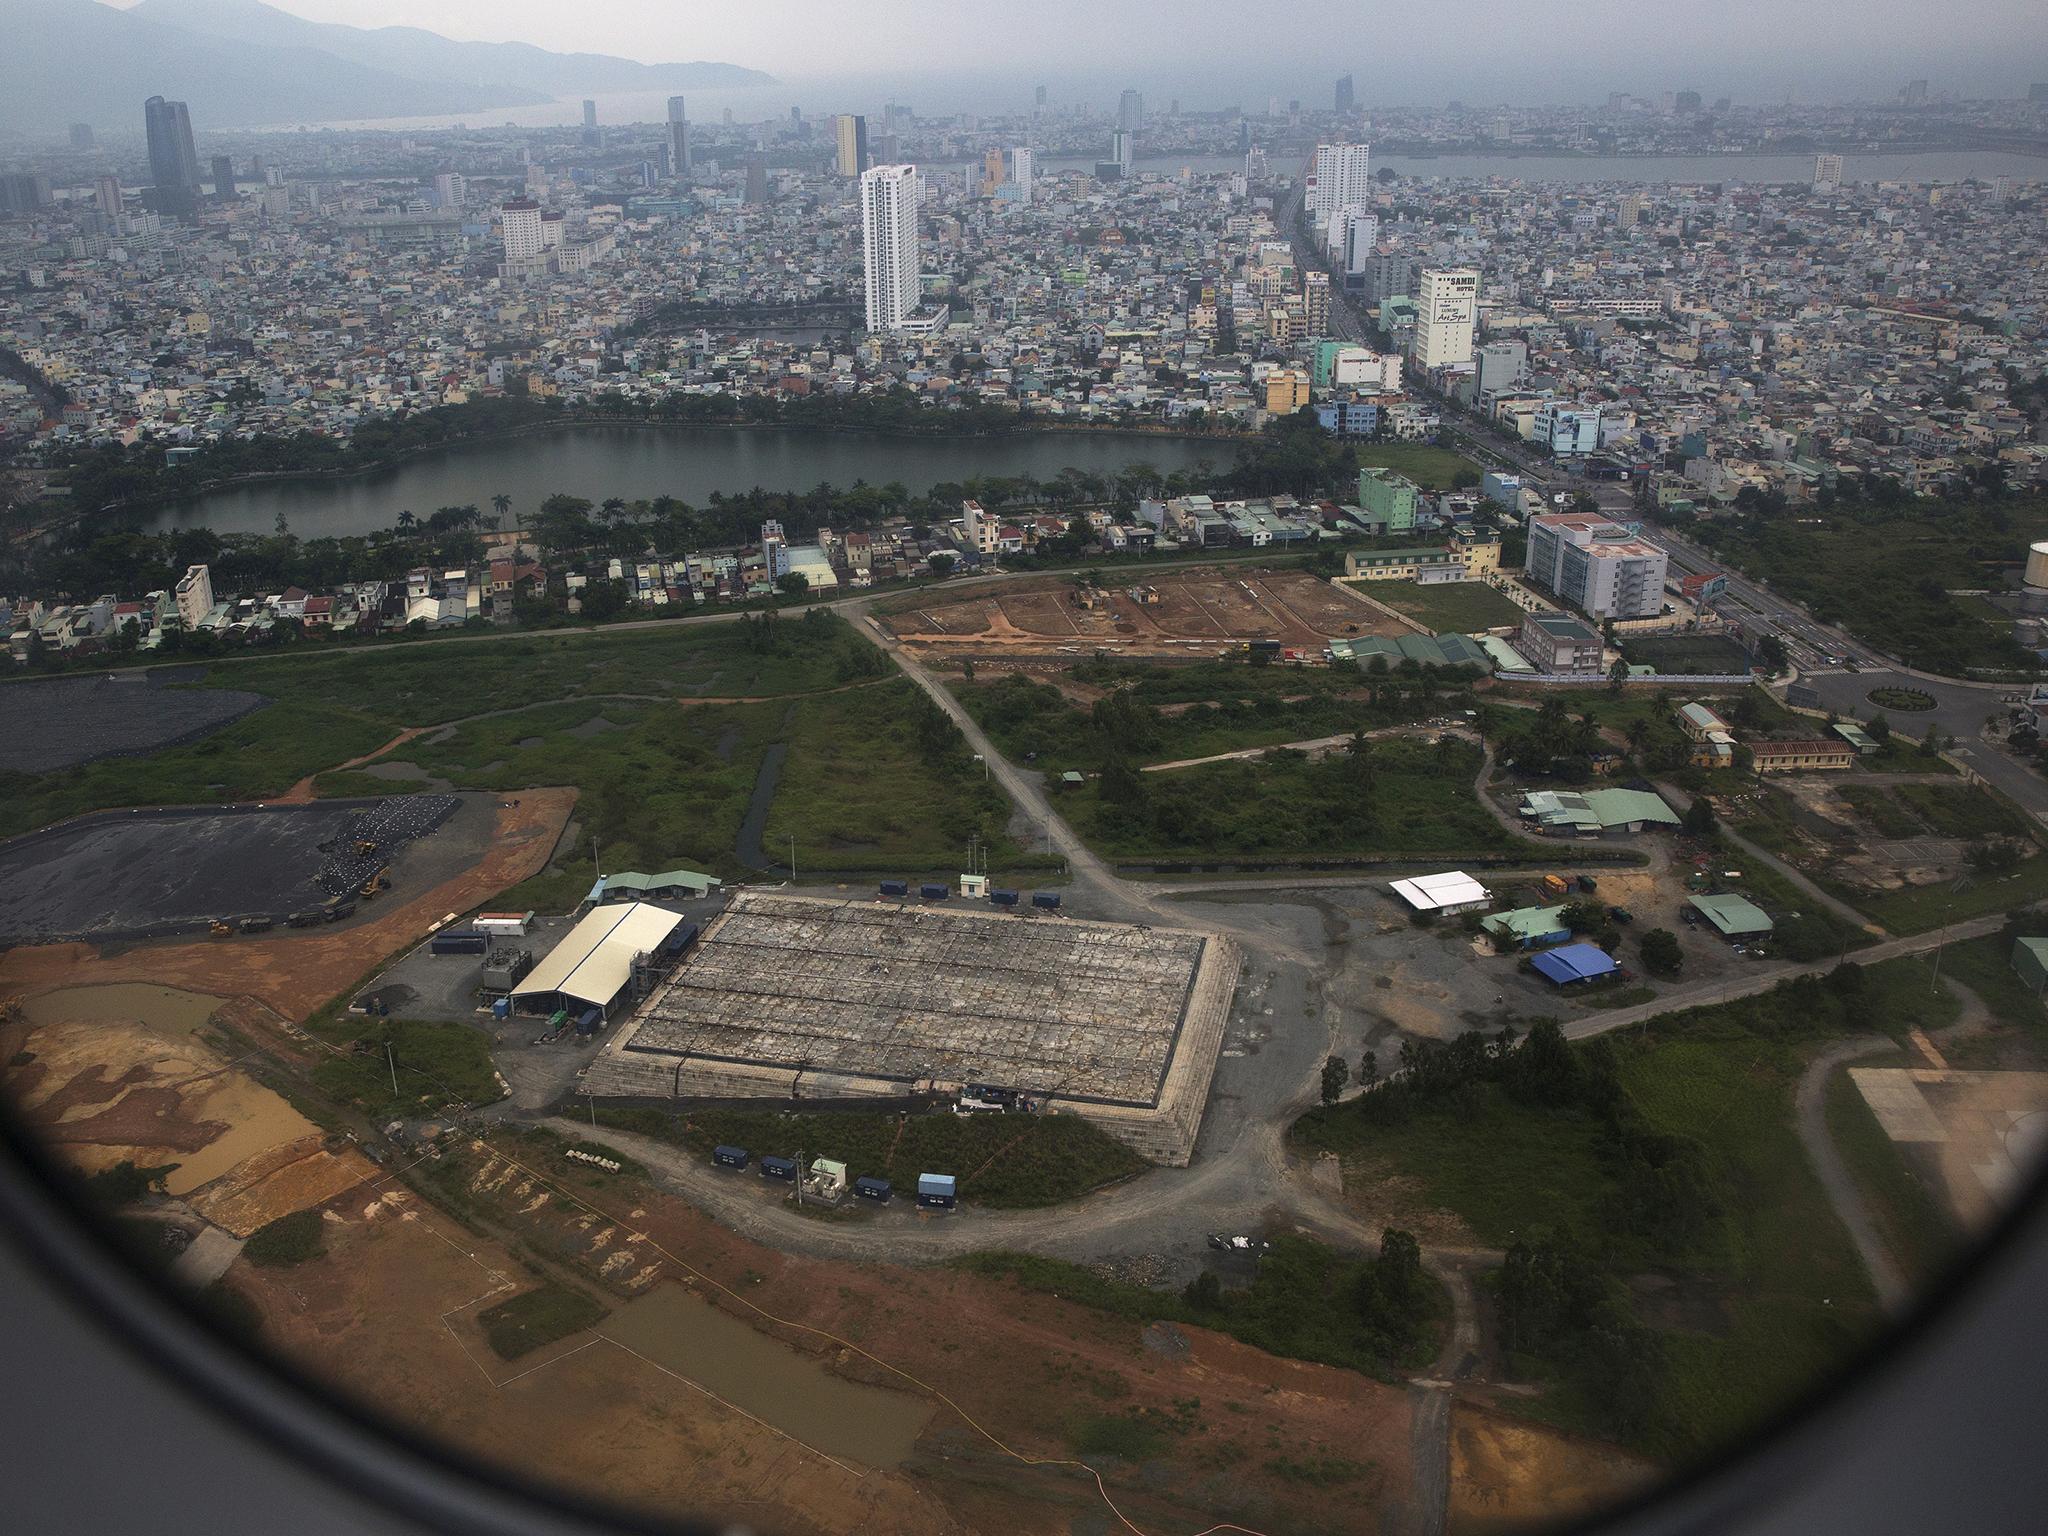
<point>151,873</point>
<point>60,722</point>
<point>1960,710</point>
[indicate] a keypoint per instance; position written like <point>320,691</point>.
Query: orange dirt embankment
<point>301,793</point>
<point>296,972</point>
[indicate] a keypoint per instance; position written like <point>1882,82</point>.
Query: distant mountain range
<point>244,64</point>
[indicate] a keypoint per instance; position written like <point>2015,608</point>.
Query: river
<point>646,461</point>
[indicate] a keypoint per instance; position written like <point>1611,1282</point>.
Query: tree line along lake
<point>642,462</point>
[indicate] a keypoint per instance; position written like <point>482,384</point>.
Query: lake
<point>646,461</point>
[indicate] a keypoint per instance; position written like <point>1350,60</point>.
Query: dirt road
<point>1893,1293</point>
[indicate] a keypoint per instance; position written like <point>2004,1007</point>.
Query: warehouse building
<point>1574,964</point>
<point>1733,917</point>
<point>1448,893</point>
<point>2030,963</point>
<point>669,885</point>
<point>1424,650</point>
<point>1596,812</point>
<point>806,998</point>
<point>593,966</point>
<point>1529,927</point>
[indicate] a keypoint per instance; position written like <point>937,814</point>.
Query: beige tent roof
<point>595,960</point>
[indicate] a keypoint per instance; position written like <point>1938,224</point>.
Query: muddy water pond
<point>116,1027</point>
<point>777,1384</point>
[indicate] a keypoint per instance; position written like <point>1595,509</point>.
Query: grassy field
<point>1171,713</point>
<point>1434,469</point>
<point>1001,1161</point>
<point>533,1318</point>
<point>2019,1035</point>
<point>1910,1215</point>
<point>1420,799</point>
<point>436,1064</point>
<point>1687,653</point>
<point>1455,607</point>
<point>1774,1267</point>
<point>331,706</point>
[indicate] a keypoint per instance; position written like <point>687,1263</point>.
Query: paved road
<point>1764,977</point>
<point>1840,908</point>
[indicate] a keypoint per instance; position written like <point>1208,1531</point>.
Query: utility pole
<point>391,1062</point>
<point>792,858</point>
<point>596,862</point>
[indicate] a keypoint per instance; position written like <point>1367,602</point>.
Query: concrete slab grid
<point>792,997</point>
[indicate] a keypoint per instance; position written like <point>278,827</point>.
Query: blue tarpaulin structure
<point>1575,962</point>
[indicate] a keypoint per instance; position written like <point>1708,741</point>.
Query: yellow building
<point>1286,391</point>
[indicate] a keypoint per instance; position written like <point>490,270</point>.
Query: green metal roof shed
<point>2030,960</point>
<point>1733,917</point>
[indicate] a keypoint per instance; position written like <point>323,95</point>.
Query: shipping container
<point>502,1008</point>
<point>681,939</point>
<point>895,887</point>
<point>1003,898</point>
<point>778,1168</point>
<point>936,1191</point>
<point>459,941</point>
<point>871,1189</point>
<point>1049,900</point>
<point>258,924</point>
<point>933,892</point>
<point>729,1157</point>
<point>591,1022</point>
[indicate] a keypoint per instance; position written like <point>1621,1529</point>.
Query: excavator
<point>380,881</point>
<point>219,928</point>
<point>364,847</point>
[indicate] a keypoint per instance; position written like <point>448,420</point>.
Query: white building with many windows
<point>1446,316</point>
<point>1606,569</point>
<point>888,228</point>
<point>1339,177</point>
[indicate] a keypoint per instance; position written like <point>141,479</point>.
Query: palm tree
<point>501,504</point>
<point>406,521</point>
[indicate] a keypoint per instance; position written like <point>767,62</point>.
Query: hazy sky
<point>1214,52</point>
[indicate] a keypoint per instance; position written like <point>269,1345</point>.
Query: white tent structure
<point>1451,891</point>
<point>594,961</point>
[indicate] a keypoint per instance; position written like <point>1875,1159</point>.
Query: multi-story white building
<point>888,228</point>
<point>1020,173</point>
<point>1352,235</point>
<point>451,189</point>
<point>1566,428</point>
<point>195,595</point>
<point>774,550</point>
<point>521,219</point>
<point>1447,312</point>
<point>852,144</point>
<point>1339,176</point>
<point>1607,569</point>
<point>1827,173</point>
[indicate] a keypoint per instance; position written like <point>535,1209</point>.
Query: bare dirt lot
<point>984,1415</point>
<point>1187,613</point>
<point>1507,1475</point>
<point>294,971</point>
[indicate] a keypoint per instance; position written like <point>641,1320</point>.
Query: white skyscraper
<point>522,229</point>
<point>1339,176</point>
<point>1020,173</point>
<point>1352,235</point>
<point>678,140</point>
<point>1447,309</point>
<point>1130,111</point>
<point>451,189</point>
<point>1827,173</point>
<point>1123,150</point>
<point>888,230</point>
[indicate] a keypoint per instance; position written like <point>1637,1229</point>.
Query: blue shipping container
<point>895,887</point>
<point>1003,898</point>
<point>459,941</point>
<point>591,1022</point>
<point>778,1168</point>
<point>729,1157</point>
<point>501,1008</point>
<point>936,1190</point>
<point>871,1189</point>
<point>934,892</point>
<point>1047,899</point>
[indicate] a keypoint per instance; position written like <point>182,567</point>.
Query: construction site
<point>819,1000</point>
<point>1189,614</point>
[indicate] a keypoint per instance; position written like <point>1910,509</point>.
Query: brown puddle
<point>780,1386</point>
